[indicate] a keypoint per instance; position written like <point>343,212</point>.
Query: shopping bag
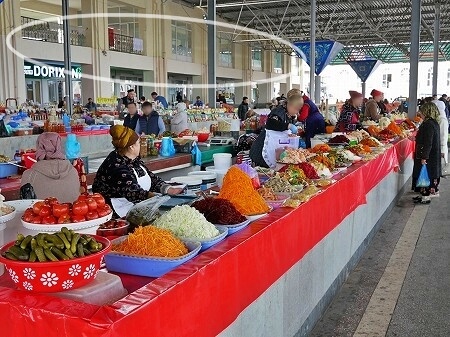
<point>423,180</point>
<point>445,168</point>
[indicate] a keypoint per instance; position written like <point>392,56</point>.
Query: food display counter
<point>273,278</point>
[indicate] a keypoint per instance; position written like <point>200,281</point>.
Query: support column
<point>12,78</point>
<point>363,89</point>
<point>97,39</point>
<point>318,89</point>
<point>436,47</point>
<point>212,66</point>
<point>414,56</point>
<point>312,53</point>
<point>67,57</point>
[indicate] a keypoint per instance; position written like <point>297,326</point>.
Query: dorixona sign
<point>49,71</point>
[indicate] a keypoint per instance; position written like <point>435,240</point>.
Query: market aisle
<point>378,299</point>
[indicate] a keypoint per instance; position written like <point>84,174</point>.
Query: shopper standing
<point>132,117</point>
<point>179,122</point>
<point>198,102</point>
<point>243,109</point>
<point>161,99</point>
<point>443,126</point>
<point>372,108</point>
<point>129,98</point>
<point>428,151</point>
<point>91,106</point>
<point>309,115</point>
<point>150,123</point>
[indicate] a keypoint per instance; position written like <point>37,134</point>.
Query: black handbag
<point>27,192</point>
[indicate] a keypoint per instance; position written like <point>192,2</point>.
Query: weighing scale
<point>222,141</point>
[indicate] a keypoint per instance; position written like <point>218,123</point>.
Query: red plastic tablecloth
<point>202,297</point>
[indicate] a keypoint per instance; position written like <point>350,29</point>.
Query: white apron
<point>122,205</point>
<point>274,140</point>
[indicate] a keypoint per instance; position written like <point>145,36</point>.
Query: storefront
<point>45,84</point>
<point>179,85</point>
<point>128,79</point>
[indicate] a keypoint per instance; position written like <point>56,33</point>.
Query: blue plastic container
<point>7,170</point>
<point>208,243</point>
<point>147,266</point>
<point>237,227</point>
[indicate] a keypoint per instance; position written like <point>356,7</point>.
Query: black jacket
<point>131,122</point>
<point>242,111</point>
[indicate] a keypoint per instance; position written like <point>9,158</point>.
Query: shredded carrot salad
<point>152,241</point>
<point>238,189</point>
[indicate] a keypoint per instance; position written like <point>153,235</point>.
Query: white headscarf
<point>441,108</point>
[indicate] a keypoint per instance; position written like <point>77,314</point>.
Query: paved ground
<point>401,286</point>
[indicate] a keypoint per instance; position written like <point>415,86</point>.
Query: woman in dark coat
<point>428,151</point>
<point>278,123</point>
<point>349,117</point>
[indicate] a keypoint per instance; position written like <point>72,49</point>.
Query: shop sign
<point>49,71</point>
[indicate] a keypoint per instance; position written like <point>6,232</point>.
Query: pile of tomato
<point>51,211</point>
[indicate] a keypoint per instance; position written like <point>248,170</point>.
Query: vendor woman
<point>278,123</point>
<point>349,117</point>
<point>123,179</point>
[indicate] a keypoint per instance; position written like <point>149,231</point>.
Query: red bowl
<point>51,277</point>
<point>203,137</point>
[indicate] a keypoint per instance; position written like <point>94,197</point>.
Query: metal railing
<point>125,44</point>
<point>51,32</point>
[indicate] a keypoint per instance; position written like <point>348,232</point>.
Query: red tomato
<point>64,218</point>
<point>37,207</point>
<point>92,215</point>
<point>45,211</point>
<point>103,211</point>
<point>49,219</point>
<point>99,199</point>
<point>60,210</point>
<point>36,219</point>
<point>92,204</point>
<point>82,197</point>
<point>27,217</point>
<point>51,201</point>
<point>78,218</point>
<point>80,208</point>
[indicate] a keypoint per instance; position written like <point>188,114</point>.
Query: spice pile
<point>219,211</point>
<point>238,189</point>
<point>151,241</point>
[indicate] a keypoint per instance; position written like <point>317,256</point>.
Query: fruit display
<point>61,246</point>
<point>51,212</point>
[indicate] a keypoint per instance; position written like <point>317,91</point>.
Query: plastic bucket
<point>222,161</point>
<point>220,174</point>
<point>208,178</point>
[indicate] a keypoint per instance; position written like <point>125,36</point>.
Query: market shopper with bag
<point>427,154</point>
<point>278,125</point>
<point>123,179</point>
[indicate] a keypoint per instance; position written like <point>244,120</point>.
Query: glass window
<point>257,55</point>
<point>225,50</point>
<point>278,63</point>
<point>448,77</point>
<point>126,24</point>
<point>182,41</point>
<point>294,64</point>
<point>430,77</point>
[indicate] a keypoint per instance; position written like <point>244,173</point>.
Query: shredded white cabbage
<point>185,221</point>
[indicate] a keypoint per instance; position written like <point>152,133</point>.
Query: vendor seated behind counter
<point>278,123</point>
<point>123,179</point>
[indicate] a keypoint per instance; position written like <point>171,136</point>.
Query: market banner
<point>326,51</point>
<point>364,68</point>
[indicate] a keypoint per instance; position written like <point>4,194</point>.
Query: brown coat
<point>372,110</point>
<point>53,178</point>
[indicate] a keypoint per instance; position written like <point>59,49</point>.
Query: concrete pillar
<point>148,76</point>
<point>212,50</point>
<point>97,38</point>
<point>12,78</point>
<point>312,54</point>
<point>436,33</point>
<point>265,92</point>
<point>414,57</point>
<point>287,71</point>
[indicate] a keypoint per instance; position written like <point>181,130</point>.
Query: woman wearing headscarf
<point>179,121</point>
<point>349,117</point>
<point>123,179</point>
<point>278,123</point>
<point>313,120</point>
<point>52,175</point>
<point>443,125</point>
<point>428,152</point>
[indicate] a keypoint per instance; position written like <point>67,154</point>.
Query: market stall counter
<point>273,278</point>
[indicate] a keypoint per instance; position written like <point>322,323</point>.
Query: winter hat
<point>355,94</point>
<point>122,136</point>
<point>375,93</point>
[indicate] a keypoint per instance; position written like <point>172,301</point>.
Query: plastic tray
<point>208,243</point>
<point>147,266</point>
<point>7,169</point>
<point>177,200</point>
<point>237,227</point>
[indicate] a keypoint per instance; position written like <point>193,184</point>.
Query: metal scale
<point>218,140</point>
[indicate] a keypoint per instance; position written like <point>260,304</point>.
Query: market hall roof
<point>380,28</point>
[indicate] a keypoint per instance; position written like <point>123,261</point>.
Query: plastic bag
<point>197,154</point>
<point>145,212</point>
<point>251,172</point>
<point>3,130</point>
<point>423,180</point>
<point>27,192</point>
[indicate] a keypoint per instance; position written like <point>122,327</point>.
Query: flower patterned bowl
<point>51,277</point>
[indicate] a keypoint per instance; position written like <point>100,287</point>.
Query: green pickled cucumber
<point>64,239</point>
<point>33,257</point>
<point>68,252</point>
<point>11,256</point>
<point>73,244</point>
<point>67,233</point>
<point>33,244</point>
<point>40,254</point>
<point>80,251</point>
<point>59,254</point>
<point>51,238</point>
<point>26,241</point>
<point>19,253</point>
<point>50,255</point>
